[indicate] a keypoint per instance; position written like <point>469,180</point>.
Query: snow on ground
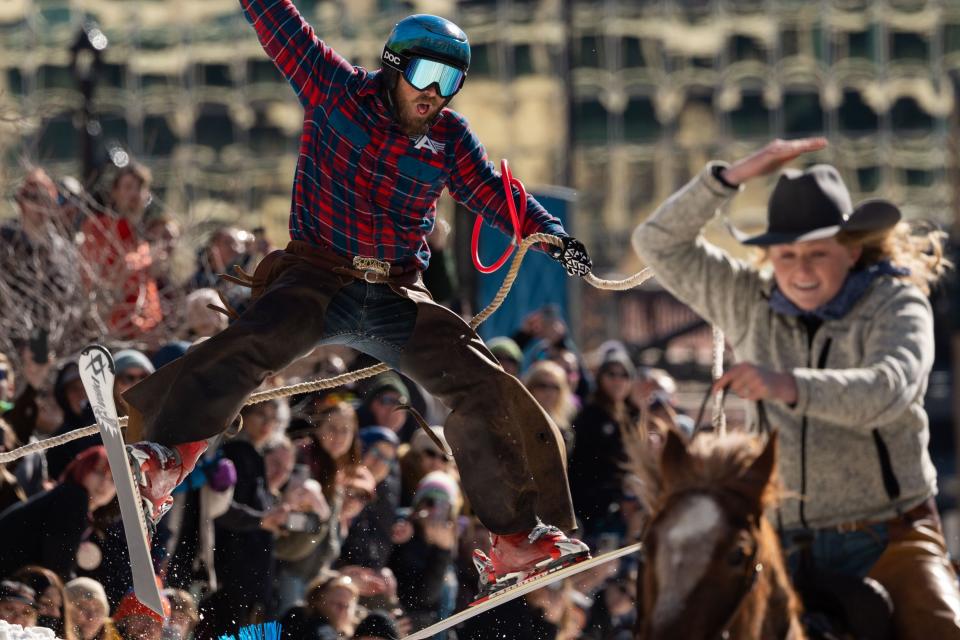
<point>16,632</point>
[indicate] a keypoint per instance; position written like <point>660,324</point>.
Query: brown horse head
<point>713,566</point>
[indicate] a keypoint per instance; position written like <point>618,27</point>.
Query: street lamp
<point>86,63</point>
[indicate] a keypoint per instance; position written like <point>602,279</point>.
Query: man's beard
<point>410,121</point>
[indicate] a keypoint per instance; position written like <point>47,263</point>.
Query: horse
<point>712,566</point>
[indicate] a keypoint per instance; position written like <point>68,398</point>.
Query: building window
<point>589,52</point>
<point>752,118</point>
<point>633,53</point>
<point>590,122</point>
<point>908,118</point>
<point>158,138</point>
<point>869,179</point>
<point>522,60</point>
<point>802,113</point>
<point>640,120</point>
<point>854,114</point>
<point>909,47</point>
<point>58,139</point>
<point>213,128</point>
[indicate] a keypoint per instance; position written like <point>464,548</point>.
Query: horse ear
<point>760,472</point>
<point>674,458</point>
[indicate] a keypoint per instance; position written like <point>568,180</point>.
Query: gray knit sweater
<point>854,447</point>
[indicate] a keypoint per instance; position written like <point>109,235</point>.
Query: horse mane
<point>713,462</point>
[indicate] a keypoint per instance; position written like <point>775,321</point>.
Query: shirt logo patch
<point>423,142</point>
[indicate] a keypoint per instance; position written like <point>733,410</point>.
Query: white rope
<point>719,417</point>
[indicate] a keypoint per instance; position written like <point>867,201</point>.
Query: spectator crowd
<point>330,511</point>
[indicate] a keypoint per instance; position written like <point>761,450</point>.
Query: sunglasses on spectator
<point>380,455</point>
<point>130,378</point>
<point>391,401</point>
<point>357,494</point>
<point>4,373</point>
<point>433,453</point>
<point>614,373</point>
<point>35,196</point>
<point>545,385</point>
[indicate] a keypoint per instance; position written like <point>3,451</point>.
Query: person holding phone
<point>422,557</point>
<point>378,148</point>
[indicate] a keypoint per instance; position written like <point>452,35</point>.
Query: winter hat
<point>503,347</point>
<point>127,359</point>
<point>68,373</point>
<point>440,487</point>
<point>377,624</point>
<point>87,589</point>
<point>421,441</point>
<point>130,606</point>
<point>617,357</point>
<point>169,352</point>
<point>388,382</point>
<point>18,592</point>
<point>199,315</point>
<point>370,436</point>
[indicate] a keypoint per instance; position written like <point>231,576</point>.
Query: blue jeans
<point>826,550</point>
<point>370,318</point>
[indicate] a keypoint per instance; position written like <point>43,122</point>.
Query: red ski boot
<point>157,470</point>
<point>519,556</point>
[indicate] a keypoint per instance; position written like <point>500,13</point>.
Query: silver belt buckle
<point>371,267</point>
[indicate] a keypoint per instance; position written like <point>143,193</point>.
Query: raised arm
<point>476,184</point>
<point>311,67</point>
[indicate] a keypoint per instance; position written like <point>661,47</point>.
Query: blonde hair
<point>545,370</point>
<point>917,246</point>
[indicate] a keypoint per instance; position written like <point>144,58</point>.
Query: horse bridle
<point>754,569</point>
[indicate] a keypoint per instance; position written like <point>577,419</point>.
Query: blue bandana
<point>853,288</point>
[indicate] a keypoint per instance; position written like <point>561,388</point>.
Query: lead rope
<point>719,416</point>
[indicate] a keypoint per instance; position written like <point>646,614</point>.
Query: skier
<point>376,151</point>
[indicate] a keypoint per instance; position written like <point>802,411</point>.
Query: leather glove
<point>573,256</point>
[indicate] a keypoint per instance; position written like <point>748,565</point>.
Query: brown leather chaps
<point>509,453</point>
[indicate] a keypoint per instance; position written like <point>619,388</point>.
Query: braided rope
<point>361,374</point>
<point>719,417</point>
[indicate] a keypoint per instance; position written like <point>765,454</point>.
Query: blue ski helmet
<point>430,37</point>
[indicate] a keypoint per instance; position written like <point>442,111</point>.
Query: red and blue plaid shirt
<point>362,186</point>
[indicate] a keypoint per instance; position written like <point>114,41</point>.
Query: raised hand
<point>573,256</point>
<point>771,158</point>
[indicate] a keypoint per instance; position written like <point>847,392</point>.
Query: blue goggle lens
<point>421,73</point>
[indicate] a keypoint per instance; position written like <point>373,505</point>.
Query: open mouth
<point>805,286</point>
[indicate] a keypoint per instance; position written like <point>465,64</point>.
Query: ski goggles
<point>422,73</point>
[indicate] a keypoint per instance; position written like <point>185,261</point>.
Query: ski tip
<point>97,359</point>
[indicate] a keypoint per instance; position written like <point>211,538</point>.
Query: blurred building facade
<point>658,88</point>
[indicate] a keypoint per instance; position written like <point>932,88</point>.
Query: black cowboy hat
<point>813,204</point>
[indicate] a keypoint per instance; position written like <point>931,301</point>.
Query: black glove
<point>573,256</point>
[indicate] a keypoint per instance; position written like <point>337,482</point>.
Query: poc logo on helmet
<point>391,58</point>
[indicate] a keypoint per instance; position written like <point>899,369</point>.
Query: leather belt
<point>926,510</point>
<point>371,270</point>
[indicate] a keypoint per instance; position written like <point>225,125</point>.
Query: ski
<point>521,588</point>
<point>97,372</point>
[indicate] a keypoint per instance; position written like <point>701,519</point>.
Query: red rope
<point>518,219</point>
